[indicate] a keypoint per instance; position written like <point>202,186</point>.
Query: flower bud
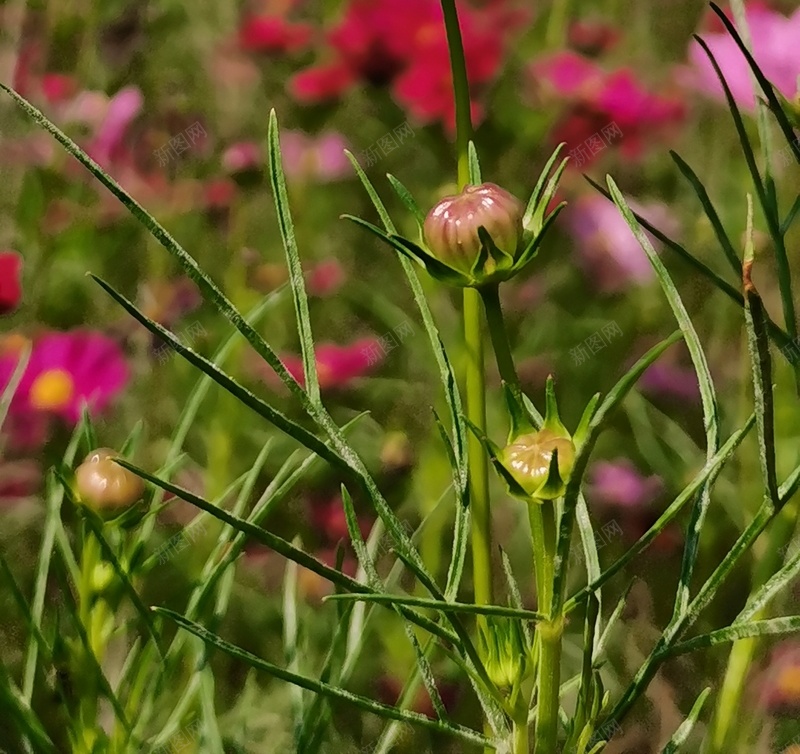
<point>451,227</point>
<point>105,485</point>
<point>505,655</point>
<point>528,458</point>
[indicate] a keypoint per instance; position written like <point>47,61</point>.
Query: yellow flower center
<point>789,683</point>
<point>52,390</point>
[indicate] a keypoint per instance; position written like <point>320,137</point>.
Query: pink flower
<point>325,278</point>
<point>618,483</point>
<point>273,34</point>
<point>671,380</point>
<point>603,108</point>
<point>338,366</point>
<point>609,252</point>
<point>10,281</point>
<point>314,158</point>
<point>775,48</point>
<point>404,46</point>
<point>123,108</point>
<point>243,155</point>
<point>66,370</point>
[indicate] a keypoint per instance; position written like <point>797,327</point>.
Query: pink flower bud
<point>451,227</point>
<point>105,485</point>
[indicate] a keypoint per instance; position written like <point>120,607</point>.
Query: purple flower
<point>775,48</point>
<point>609,252</point>
<point>618,483</point>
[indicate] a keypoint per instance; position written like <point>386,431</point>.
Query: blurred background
<point>172,99</point>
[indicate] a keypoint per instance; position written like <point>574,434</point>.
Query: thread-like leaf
<point>708,395</point>
<point>325,689</point>
<point>281,197</point>
<point>684,731</point>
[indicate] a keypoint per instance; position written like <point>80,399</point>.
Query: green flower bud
<point>105,485</point>
<point>529,457</point>
<point>451,230</point>
<point>505,655</point>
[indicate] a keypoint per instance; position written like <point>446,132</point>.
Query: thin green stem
<point>499,336</point>
<point>544,533</point>
<point>458,66</point>
<point>478,463</point>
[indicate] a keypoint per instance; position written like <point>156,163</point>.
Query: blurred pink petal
<point>325,278</point>
<point>776,49</point>
<point>618,483</point>
<point>243,155</point>
<point>123,108</point>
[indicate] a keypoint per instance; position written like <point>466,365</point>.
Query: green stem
<point>478,463</point>
<point>520,735</point>
<point>499,336</point>
<point>473,335</point>
<point>544,534</point>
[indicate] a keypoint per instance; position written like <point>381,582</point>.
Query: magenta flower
<point>775,48</point>
<point>66,370</point>
<point>609,252</point>
<point>671,380</point>
<point>123,108</point>
<point>10,281</point>
<point>314,158</point>
<point>273,34</point>
<point>619,484</point>
<point>338,366</point>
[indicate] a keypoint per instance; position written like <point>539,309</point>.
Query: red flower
<point>404,45</point>
<point>273,34</point>
<point>10,285</point>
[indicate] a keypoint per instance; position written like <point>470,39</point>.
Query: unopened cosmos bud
<point>105,485</point>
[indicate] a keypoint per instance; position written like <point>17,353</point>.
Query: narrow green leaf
<point>711,469</point>
<point>281,197</point>
<point>736,632</point>
<point>790,216</point>
<point>572,492</point>
<point>441,605</point>
<point>248,398</point>
<point>187,262</point>
<point>452,396</point>
<point>758,347</point>
<point>766,200</point>
<point>474,165</point>
<point>711,212</point>
<point>536,196</point>
<point>783,579</point>
<point>778,335</point>
<point>682,734</point>
<point>708,395</point>
<point>52,526</point>
<point>408,200</point>
<point>515,594</point>
<point>18,711</point>
<point>325,689</point>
